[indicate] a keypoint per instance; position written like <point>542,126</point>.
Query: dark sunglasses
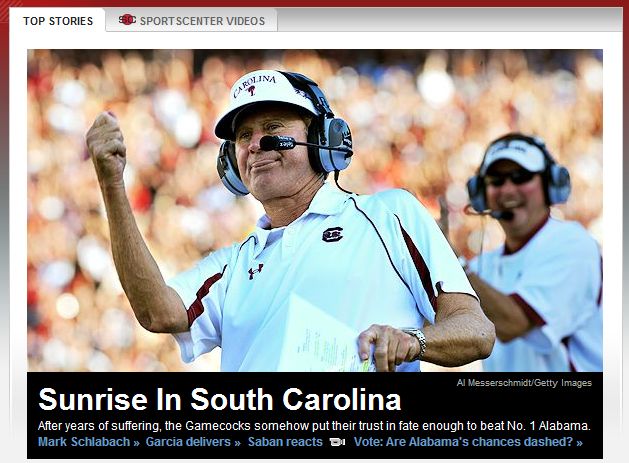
<point>517,177</point>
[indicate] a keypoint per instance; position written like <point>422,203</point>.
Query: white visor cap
<point>519,151</point>
<point>258,87</point>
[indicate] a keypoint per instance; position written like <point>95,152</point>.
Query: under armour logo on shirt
<point>332,234</point>
<point>252,271</point>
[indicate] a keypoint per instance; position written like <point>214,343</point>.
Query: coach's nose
<point>254,142</point>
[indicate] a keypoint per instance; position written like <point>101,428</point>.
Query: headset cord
<point>482,242</point>
<point>336,180</point>
<point>483,217</point>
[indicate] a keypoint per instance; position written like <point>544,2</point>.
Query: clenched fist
<point>105,144</point>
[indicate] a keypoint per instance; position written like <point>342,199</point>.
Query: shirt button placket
<point>288,240</point>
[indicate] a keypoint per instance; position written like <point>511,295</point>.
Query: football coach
<point>376,263</point>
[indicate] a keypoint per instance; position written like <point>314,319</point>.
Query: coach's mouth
<point>263,164</point>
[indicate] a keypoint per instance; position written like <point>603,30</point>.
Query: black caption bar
<point>282,415</point>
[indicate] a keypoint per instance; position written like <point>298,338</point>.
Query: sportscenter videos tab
<point>190,19</point>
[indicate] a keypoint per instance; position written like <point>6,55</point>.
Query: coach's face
<point>509,187</point>
<point>272,174</point>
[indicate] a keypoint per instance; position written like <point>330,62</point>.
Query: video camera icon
<point>336,441</point>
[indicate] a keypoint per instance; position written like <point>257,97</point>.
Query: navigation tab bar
<point>190,19</point>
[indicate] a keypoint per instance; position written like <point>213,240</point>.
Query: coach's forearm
<point>461,333</point>
<point>157,307</point>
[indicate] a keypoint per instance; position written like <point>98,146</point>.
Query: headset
<point>555,177</point>
<point>329,139</point>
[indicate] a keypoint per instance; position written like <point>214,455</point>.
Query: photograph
<point>314,210</point>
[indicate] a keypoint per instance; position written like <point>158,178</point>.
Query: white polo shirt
<point>557,280</point>
<point>362,259</point>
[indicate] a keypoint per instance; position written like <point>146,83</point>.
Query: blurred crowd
<point>420,120</point>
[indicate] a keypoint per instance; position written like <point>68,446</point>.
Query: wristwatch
<point>419,334</point>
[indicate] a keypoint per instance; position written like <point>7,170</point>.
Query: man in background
<point>542,288</point>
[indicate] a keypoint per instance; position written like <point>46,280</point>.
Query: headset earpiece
<point>325,130</point>
<point>337,134</point>
<point>228,169</point>
<point>556,177</point>
<point>476,192</point>
<point>559,185</point>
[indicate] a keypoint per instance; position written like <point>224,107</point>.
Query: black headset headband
<point>310,87</point>
<point>316,96</point>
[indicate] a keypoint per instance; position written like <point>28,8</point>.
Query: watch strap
<point>419,335</point>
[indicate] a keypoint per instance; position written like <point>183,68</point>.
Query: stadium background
<point>420,120</point>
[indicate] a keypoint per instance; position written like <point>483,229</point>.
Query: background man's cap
<point>519,151</point>
<point>257,87</point>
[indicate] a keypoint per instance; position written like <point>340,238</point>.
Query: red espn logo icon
<point>126,19</point>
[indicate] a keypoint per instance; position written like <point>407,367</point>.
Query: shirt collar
<point>529,237</point>
<point>327,201</point>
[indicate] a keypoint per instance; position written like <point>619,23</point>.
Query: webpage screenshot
<point>277,232</point>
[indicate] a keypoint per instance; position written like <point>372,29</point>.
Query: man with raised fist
<point>377,264</point>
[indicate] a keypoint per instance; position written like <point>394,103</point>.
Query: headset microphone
<point>496,214</point>
<point>276,142</point>
<point>502,215</point>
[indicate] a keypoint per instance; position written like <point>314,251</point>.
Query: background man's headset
<point>555,177</point>
<point>329,140</point>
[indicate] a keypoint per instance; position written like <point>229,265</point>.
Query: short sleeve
<point>430,259</point>
<point>202,289</point>
<point>561,286</point>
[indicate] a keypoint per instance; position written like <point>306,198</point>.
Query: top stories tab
<point>190,19</point>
